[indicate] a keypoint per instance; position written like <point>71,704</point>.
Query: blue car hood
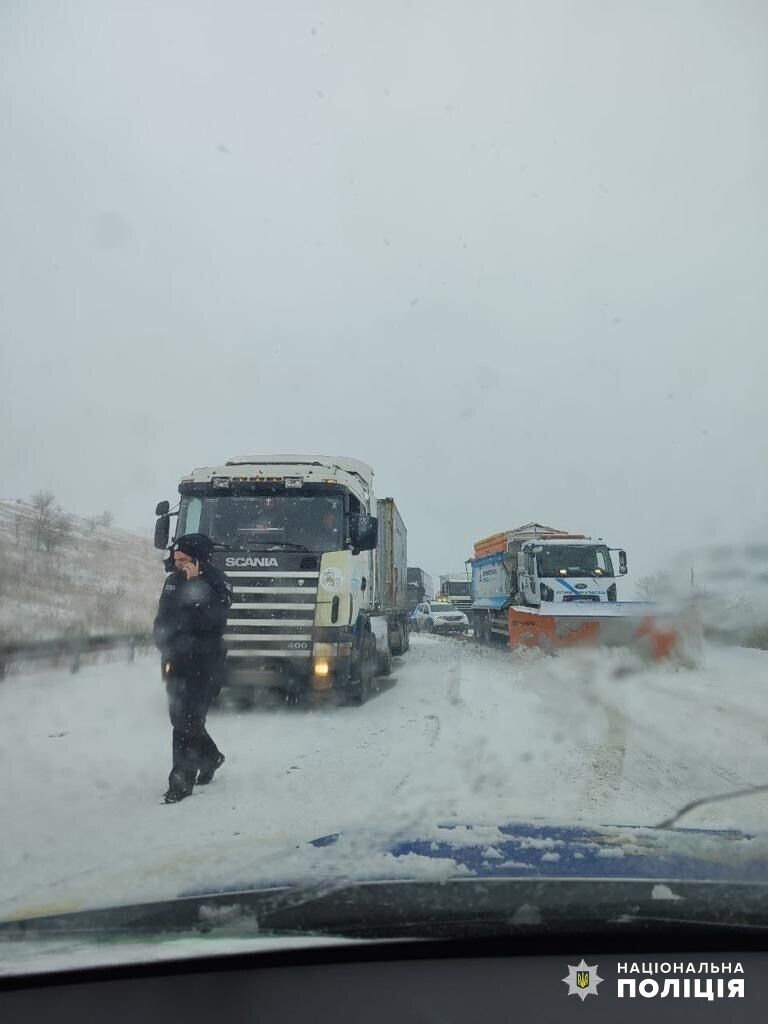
<point>525,850</point>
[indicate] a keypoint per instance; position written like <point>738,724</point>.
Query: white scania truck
<point>318,567</point>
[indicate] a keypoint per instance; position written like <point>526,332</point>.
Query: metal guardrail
<point>71,649</point>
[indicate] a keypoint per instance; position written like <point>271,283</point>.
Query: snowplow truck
<point>542,587</point>
<point>318,567</point>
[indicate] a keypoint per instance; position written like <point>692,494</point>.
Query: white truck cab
<point>558,571</point>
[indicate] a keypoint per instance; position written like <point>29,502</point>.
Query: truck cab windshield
<point>266,522</point>
<point>574,560</point>
<point>457,589</point>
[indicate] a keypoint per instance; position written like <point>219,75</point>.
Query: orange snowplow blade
<point>654,633</point>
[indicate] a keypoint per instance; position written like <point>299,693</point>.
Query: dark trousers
<point>193,749</point>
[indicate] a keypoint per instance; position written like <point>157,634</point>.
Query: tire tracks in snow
<point>431,732</point>
<point>566,698</point>
<point>679,772</point>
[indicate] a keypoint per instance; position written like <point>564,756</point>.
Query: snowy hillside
<point>72,576</point>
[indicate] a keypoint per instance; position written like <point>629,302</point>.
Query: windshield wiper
<point>285,545</point>
<point>419,909</point>
<point>272,546</point>
<point>749,791</point>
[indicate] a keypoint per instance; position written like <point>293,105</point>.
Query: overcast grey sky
<point>513,254</point>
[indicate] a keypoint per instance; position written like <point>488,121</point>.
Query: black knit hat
<point>196,545</point>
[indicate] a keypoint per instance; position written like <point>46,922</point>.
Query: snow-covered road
<point>458,733</point>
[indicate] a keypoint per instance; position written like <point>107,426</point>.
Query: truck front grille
<point>271,616</point>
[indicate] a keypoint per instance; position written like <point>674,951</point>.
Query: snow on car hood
<point>535,850</point>
<point>523,850</point>
<point>518,850</point>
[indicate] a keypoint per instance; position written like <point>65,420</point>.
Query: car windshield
<point>263,522</point>
<point>262,631</point>
<point>574,560</point>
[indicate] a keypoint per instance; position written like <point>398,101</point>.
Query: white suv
<point>439,617</point>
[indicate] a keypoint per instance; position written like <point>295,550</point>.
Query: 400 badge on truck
<point>318,567</point>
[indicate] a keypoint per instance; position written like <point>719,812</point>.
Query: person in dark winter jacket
<point>188,631</point>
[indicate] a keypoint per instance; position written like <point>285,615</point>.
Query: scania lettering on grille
<point>256,563</point>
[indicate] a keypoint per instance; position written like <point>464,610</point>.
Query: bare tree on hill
<point>104,518</point>
<point>51,526</point>
<point>57,531</point>
<point>43,514</point>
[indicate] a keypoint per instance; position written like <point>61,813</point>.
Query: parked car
<point>439,617</point>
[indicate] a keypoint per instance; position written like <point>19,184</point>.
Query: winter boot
<point>205,775</point>
<point>180,783</point>
<point>174,795</point>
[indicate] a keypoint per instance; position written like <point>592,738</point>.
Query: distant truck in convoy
<point>318,566</point>
<point>456,588</point>
<point>420,587</point>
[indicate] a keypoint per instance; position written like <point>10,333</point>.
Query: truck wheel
<point>367,668</point>
<point>385,663</point>
<point>360,691</point>
<point>398,645</point>
<point>483,629</point>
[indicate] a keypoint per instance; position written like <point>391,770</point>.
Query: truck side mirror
<point>363,532</point>
<point>623,569</point>
<point>162,508</point>
<point>162,530</point>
